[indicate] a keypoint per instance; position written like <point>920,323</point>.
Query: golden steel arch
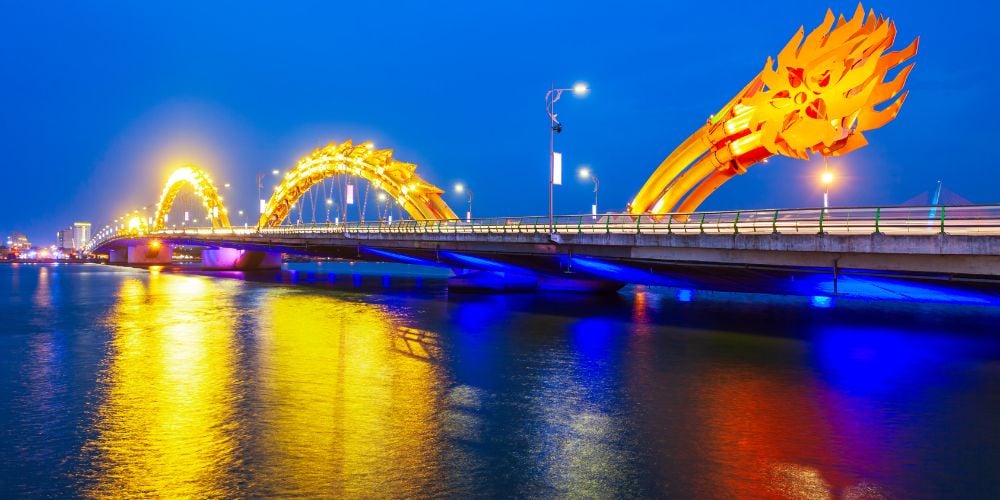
<point>189,175</point>
<point>420,199</point>
<point>819,98</point>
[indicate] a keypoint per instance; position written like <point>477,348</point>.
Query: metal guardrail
<point>960,220</point>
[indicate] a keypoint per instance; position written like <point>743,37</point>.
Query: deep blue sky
<point>99,101</point>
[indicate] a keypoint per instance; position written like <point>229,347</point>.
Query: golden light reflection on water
<point>166,424</point>
<point>344,412</point>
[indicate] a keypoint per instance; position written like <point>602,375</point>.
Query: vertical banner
<point>166,218</point>
<point>593,210</point>
<point>262,205</point>
<point>350,194</point>
<point>187,216</point>
<point>557,169</point>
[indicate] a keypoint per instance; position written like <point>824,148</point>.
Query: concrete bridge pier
<point>218,259</point>
<point>140,255</point>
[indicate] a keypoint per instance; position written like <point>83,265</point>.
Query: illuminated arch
<point>421,200</point>
<point>819,98</point>
<point>190,175</point>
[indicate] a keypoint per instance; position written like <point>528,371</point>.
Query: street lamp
<point>586,173</point>
<point>579,89</point>
<point>460,188</point>
<point>826,179</point>
<point>380,204</point>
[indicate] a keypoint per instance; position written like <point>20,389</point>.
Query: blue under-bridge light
<point>398,257</point>
<point>685,295</point>
<point>483,264</point>
<point>617,272</point>
<point>887,288</point>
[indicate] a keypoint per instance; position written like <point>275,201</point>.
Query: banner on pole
<point>557,169</point>
<point>263,204</point>
<point>350,194</point>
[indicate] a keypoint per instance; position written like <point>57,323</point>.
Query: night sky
<point>100,102</point>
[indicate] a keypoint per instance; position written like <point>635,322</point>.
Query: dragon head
<point>823,92</point>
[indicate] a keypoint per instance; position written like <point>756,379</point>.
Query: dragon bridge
<point>819,98</point>
<point>197,179</point>
<point>420,199</point>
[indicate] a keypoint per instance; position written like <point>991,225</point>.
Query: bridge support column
<point>118,255</point>
<point>218,259</point>
<point>491,281</point>
<point>149,254</point>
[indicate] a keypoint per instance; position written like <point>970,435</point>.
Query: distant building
<point>64,238</point>
<point>81,234</point>
<point>18,243</point>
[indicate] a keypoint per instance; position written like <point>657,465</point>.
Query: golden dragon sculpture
<point>819,98</point>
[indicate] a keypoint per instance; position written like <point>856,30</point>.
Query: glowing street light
<point>827,179</point>
<point>586,173</point>
<point>579,89</point>
<point>460,188</point>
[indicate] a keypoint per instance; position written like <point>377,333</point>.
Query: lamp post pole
<point>597,185</point>
<point>553,125</point>
<point>460,188</point>
<point>827,180</point>
<point>587,173</point>
<point>468,216</point>
<point>553,95</point>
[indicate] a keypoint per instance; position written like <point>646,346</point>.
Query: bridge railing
<point>977,219</point>
<point>959,220</point>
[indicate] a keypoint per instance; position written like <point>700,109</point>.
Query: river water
<point>126,382</point>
